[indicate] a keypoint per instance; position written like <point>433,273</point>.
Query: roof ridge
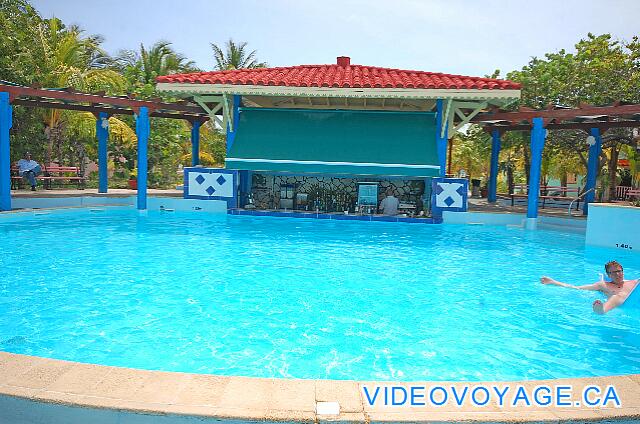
<point>333,65</point>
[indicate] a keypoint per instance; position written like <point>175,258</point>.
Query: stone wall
<point>329,193</point>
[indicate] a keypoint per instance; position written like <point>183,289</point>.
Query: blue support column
<point>592,168</point>
<point>538,134</point>
<point>142,131</point>
<point>195,143</point>
<point>102,132</point>
<point>231,135</point>
<point>493,176</point>
<point>5,159</point>
<point>441,139</point>
<point>244,177</point>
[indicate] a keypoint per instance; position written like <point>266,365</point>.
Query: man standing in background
<point>389,205</point>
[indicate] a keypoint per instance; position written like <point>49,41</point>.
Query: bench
<point>52,173</point>
<point>549,196</point>
<point>632,193</point>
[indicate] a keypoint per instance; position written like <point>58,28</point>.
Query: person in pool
<point>618,290</point>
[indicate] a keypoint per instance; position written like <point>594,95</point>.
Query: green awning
<point>342,142</point>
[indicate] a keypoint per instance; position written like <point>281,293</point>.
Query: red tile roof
<point>341,75</point>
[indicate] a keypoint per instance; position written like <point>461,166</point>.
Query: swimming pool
<point>273,297</point>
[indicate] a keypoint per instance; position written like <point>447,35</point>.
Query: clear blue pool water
<point>278,297</point>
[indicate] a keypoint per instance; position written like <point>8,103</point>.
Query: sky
<point>462,37</point>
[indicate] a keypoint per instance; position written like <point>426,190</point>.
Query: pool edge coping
<point>135,391</point>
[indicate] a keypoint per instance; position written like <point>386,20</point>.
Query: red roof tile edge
<point>336,76</point>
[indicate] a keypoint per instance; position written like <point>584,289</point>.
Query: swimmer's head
<point>614,271</point>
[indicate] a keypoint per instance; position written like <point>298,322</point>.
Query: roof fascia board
<point>409,93</point>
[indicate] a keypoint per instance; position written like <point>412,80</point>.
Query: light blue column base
<point>531,223</point>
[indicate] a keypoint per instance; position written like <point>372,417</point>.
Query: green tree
<point>471,152</point>
<point>43,52</point>
<point>141,68</point>
<point>19,22</point>
<point>235,56</point>
<point>66,58</point>
<point>18,28</point>
<point>46,53</point>
<point>601,71</point>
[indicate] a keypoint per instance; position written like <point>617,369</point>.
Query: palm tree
<point>144,66</point>
<point>235,56</point>
<point>67,59</point>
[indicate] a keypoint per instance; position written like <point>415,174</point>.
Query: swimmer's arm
<point>550,281</point>
<point>613,302</point>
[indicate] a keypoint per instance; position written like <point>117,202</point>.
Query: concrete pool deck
<point>93,192</point>
<point>32,388</point>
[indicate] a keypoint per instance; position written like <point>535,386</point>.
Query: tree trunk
<point>563,183</point>
<point>510,177</point>
<point>583,159</point>
<point>49,150</point>
<point>527,162</point>
<point>79,156</point>
<point>613,170</point>
<point>57,134</point>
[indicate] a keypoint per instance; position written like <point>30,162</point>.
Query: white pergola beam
<point>446,117</point>
<point>465,119</point>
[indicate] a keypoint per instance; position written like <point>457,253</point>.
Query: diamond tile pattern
<point>449,194</point>
<point>206,183</point>
<point>342,75</point>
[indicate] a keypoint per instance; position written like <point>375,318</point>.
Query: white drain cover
<point>327,408</point>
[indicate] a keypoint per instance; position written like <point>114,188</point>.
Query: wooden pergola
<point>594,120</point>
<point>102,107</point>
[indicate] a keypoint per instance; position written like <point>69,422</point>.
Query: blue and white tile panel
<point>449,194</point>
<point>211,184</point>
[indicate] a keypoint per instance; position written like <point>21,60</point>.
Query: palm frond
<point>235,56</point>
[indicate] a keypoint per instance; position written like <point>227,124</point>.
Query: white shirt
<point>26,165</point>
<point>389,205</point>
